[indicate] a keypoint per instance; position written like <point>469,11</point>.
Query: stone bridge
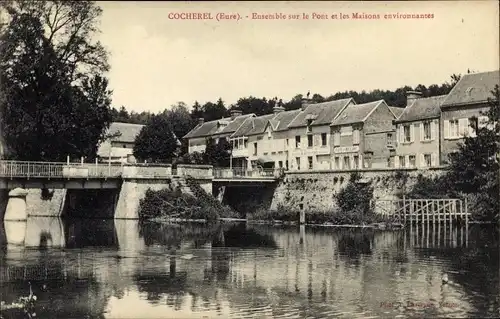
<point>122,185</point>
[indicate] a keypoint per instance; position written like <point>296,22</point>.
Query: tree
<point>56,102</point>
<point>156,142</point>
<point>182,122</point>
<point>213,111</point>
<point>474,168</point>
<point>217,154</point>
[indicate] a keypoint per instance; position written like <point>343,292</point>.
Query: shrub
<point>355,196</point>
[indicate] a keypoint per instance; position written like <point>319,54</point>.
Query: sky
<point>157,62</point>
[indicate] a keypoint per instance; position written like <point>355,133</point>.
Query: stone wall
<point>314,190</point>
<point>50,202</point>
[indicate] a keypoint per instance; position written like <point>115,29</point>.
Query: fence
<point>24,169</point>
<point>245,173</point>
<point>423,210</point>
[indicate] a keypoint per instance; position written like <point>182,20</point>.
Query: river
<point>125,269</point>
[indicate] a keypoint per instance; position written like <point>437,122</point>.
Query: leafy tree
<point>217,154</point>
<point>156,142</point>
<point>56,102</point>
<point>215,111</point>
<point>182,122</point>
<point>474,168</point>
<point>356,196</point>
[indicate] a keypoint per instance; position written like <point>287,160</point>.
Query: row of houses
<point>344,135</point>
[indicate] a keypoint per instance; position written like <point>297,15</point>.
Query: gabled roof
<point>211,127</point>
<point>473,88</point>
<point>126,132</point>
<point>421,109</point>
<point>357,113</point>
<point>397,111</point>
<point>254,125</point>
<point>235,124</point>
<point>281,121</point>
<point>321,113</point>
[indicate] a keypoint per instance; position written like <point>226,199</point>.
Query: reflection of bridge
<point>63,175</point>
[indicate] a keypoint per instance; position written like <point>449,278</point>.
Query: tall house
<point>417,131</point>
<point>462,109</point>
<point>307,139</point>
<point>363,136</point>
<point>117,148</point>
<point>216,129</point>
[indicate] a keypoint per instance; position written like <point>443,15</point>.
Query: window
<point>259,138</point>
<point>336,139</point>
<point>407,133</point>
<point>390,161</point>
<point>412,160</point>
<point>310,162</point>
<point>309,128</point>
<point>273,153</point>
<point>473,125</point>
<point>426,131</point>
<point>280,164</point>
<point>337,163</point>
<point>287,142</point>
<point>297,141</point>
<point>297,160</point>
<point>323,139</point>
<point>454,132</point>
<point>427,160</point>
<point>355,137</point>
<point>390,141</point>
<point>236,144</point>
<point>245,143</point>
<point>356,162</point>
<point>309,141</point>
<point>286,164</point>
<point>402,161</point>
<point>254,148</point>
<point>269,135</point>
<point>124,145</point>
<point>265,153</point>
<point>347,162</point>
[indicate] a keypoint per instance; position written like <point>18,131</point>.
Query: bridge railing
<point>25,169</point>
<point>239,172</point>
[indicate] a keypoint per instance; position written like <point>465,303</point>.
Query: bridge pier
<point>16,207</point>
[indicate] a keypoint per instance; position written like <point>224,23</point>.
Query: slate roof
<point>473,88</point>
<point>422,108</point>
<point>127,131</point>
<point>356,113</point>
<point>397,111</point>
<point>210,128</point>
<point>281,121</point>
<point>254,125</point>
<point>323,113</point>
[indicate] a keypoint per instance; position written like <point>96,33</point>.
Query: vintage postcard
<point>274,159</point>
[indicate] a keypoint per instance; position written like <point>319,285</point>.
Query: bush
<point>356,196</point>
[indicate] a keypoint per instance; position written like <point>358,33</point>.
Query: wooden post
<point>302,218</point>
<point>433,214</point>
<point>67,159</point>
<point>422,203</point>
<point>466,212</point>
<point>404,208</point>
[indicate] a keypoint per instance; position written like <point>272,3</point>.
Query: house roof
<point>473,88</point>
<point>320,113</point>
<point>127,131</point>
<point>356,113</point>
<point>210,128</point>
<point>397,111</point>
<point>423,108</point>
<point>253,125</point>
<point>281,121</point>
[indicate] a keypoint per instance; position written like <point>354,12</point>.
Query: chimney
<point>235,113</point>
<point>412,96</point>
<point>278,109</point>
<point>305,103</point>
<point>201,120</point>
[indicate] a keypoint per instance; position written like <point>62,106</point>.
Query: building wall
<point>418,146</point>
<point>376,128</point>
<point>314,190</point>
<point>448,144</point>
<point>318,153</point>
<point>197,145</point>
<point>348,149</point>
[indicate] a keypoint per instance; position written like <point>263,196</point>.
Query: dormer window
<point>309,128</point>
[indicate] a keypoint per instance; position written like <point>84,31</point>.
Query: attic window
<point>309,122</point>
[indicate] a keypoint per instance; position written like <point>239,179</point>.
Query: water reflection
<point>112,269</point>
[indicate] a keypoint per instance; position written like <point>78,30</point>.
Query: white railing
<point>24,169</point>
<point>239,172</point>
